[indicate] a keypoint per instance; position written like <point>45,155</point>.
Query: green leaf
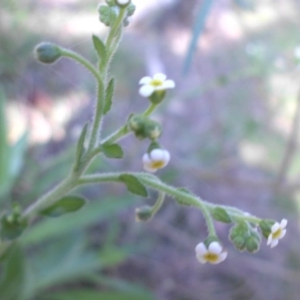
<point>65,205</point>
<point>113,151</point>
<point>96,211</point>
<point>17,155</point>
<point>11,227</point>
<point>4,150</point>
<point>88,294</point>
<point>134,185</point>
<point>80,147</point>
<point>13,275</point>
<point>108,96</point>
<point>100,48</point>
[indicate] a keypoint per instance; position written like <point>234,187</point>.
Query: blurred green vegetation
<point>76,256</point>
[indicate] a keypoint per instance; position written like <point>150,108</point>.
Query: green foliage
<point>64,205</point>
<point>13,276</point>
<point>99,47</point>
<point>80,147</point>
<point>134,185</point>
<point>108,96</point>
<point>11,157</point>
<point>113,151</point>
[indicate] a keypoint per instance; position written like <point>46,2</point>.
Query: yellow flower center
<point>211,257</point>
<point>156,82</point>
<point>157,164</point>
<point>277,234</point>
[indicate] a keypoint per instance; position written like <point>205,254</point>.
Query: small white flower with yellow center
<point>213,254</point>
<point>156,159</point>
<point>157,83</point>
<point>278,231</point>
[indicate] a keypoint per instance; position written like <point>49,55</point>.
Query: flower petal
<point>160,76</point>
<point>283,223</point>
<point>201,259</point>
<point>215,248</point>
<point>201,249</point>
<point>282,233</point>
<point>169,84</point>
<point>146,159</point>
<point>157,154</point>
<point>146,90</point>
<point>274,243</point>
<point>145,80</point>
<point>275,227</point>
<point>270,238</point>
<point>148,168</point>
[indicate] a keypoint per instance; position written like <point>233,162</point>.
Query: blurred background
<point>231,125</point>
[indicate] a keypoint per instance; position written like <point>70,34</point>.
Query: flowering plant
<point>246,230</point>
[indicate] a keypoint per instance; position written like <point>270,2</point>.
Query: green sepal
<point>12,226</point>
<point>80,147</point>
<point>221,215</point>
<point>157,96</point>
<point>113,151</point>
<point>47,53</point>
<point>108,96</point>
<point>134,185</point>
<point>99,47</point>
<point>64,205</point>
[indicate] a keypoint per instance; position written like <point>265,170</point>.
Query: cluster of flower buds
<point>244,236</point>
<point>110,12</point>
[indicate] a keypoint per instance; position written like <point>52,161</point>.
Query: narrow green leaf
<point>80,147</point>
<point>65,205</point>
<point>108,96</point>
<point>11,227</point>
<point>113,151</point>
<point>99,47</point>
<point>4,150</point>
<point>13,278</point>
<point>88,294</point>
<point>134,185</point>
<point>17,155</point>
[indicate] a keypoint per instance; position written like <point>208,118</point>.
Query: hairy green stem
<point>75,56</point>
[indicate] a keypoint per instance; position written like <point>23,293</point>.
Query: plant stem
<point>82,61</point>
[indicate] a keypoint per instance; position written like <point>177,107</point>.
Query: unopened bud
<point>47,53</point>
<point>143,213</point>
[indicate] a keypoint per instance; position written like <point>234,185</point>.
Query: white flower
<point>157,83</point>
<point>156,159</point>
<point>123,2</point>
<point>278,231</point>
<point>214,254</point>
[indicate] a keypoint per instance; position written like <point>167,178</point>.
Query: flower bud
<point>47,53</point>
<point>143,213</point>
<point>252,243</point>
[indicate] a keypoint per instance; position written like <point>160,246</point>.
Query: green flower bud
<point>152,129</point>
<point>266,227</point>
<point>220,214</point>
<point>239,243</point>
<point>47,53</point>
<point>252,243</point>
<point>143,127</point>
<point>143,213</point>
